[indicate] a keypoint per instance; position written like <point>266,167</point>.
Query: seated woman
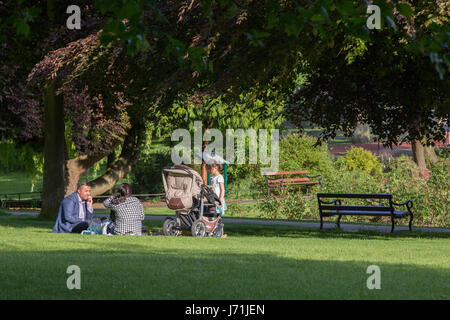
<point>129,211</point>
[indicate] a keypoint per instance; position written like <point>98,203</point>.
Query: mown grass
<point>18,182</point>
<point>254,262</point>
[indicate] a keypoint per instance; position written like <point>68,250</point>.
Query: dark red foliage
<point>20,115</point>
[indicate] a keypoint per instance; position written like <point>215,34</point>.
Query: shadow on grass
<point>247,229</point>
<point>138,273</point>
<point>303,232</point>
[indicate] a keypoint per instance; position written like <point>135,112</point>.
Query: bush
<point>291,206</point>
<point>444,153</point>
<point>356,181</point>
<point>430,197</point>
<point>234,210</point>
<point>402,179</point>
<point>244,176</point>
<point>298,152</point>
<point>242,189</point>
<point>16,157</point>
<point>146,173</point>
<point>361,159</point>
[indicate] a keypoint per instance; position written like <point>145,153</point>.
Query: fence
<point>21,200</point>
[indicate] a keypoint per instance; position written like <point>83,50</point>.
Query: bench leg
<point>410,221</point>
<point>321,222</point>
<point>393,221</point>
<point>338,222</point>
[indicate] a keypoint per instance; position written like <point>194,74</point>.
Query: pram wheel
<point>170,227</point>
<point>198,228</point>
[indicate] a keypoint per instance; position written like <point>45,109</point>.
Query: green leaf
<point>405,10</point>
<point>346,8</point>
<point>197,56</point>
<point>22,28</point>
<point>317,18</point>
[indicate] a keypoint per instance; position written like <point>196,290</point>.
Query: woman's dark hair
<point>124,190</point>
<point>123,193</point>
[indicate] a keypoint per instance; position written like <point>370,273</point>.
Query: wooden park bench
<point>335,207</point>
<point>276,180</point>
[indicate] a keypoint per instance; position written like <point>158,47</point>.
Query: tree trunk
<point>421,152</point>
<point>53,187</point>
<point>418,154</point>
<point>423,155</point>
<point>204,171</point>
<point>418,151</point>
<point>122,166</point>
<point>118,170</point>
<point>110,161</point>
<point>430,155</point>
<point>76,167</point>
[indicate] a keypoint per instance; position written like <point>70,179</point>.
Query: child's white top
<point>214,181</point>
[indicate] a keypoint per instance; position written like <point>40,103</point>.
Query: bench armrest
<point>408,203</point>
<point>335,201</point>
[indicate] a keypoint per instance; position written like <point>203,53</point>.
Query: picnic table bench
<point>282,179</point>
<point>335,207</point>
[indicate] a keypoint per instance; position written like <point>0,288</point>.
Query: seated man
<point>75,211</point>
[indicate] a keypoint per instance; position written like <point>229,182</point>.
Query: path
<point>344,226</point>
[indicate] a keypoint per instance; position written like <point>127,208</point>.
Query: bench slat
<point>302,182</point>
<point>279,173</point>
<point>355,208</point>
<point>283,179</point>
<point>293,183</point>
<point>354,195</point>
<point>288,180</point>
<point>364,213</point>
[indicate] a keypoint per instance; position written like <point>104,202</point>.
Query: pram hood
<point>181,185</point>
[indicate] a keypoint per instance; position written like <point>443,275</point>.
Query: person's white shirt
<point>81,213</point>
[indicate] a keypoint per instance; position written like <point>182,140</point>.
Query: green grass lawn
<point>18,182</point>
<point>14,182</point>
<point>254,262</point>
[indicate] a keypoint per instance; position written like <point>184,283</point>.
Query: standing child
<point>218,184</point>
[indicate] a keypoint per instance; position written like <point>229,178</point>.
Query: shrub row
<point>359,171</point>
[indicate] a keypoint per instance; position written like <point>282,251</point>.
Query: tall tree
<point>155,50</point>
<point>217,114</point>
<point>382,83</point>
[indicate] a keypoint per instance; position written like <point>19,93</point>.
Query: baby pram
<point>192,202</point>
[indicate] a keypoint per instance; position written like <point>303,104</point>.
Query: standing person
<point>129,211</point>
<point>218,184</point>
<point>75,211</point>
